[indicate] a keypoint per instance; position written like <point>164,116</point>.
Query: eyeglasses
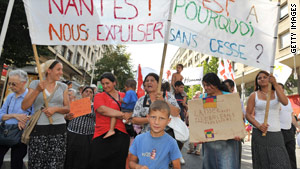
<point>12,84</point>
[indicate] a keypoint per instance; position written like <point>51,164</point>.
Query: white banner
<point>191,75</point>
<point>90,22</point>
<point>281,72</point>
<point>242,31</point>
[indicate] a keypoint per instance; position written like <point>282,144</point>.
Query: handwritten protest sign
<point>241,31</point>
<point>191,75</point>
<point>219,118</point>
<point>87,22</point>
<point>80,107</point>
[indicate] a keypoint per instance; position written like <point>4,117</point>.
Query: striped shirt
<point>83,124</point>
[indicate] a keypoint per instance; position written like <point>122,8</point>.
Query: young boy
<point>181,97</point>
<point>176,77</point>
<point>155,148</point>
<point>128,103</point>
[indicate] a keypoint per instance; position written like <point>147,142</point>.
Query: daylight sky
<point>150,55</point>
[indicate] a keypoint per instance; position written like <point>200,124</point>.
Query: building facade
<point>78,61</point>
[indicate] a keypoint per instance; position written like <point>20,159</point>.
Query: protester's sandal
<point>197,153</point>
<point>189,151</point>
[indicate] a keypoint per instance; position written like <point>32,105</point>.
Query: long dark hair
<point>256,86</point>
<point>213,79</point>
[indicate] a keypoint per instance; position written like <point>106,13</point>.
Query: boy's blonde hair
<point>160,105</point>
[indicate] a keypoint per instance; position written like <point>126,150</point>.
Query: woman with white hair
<point>12,114</point>
<point>47,144</point>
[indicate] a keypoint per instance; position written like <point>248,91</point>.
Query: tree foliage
<point>117,62</point>
<point>17,48</point>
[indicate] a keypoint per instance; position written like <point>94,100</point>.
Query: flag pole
<point>271,72</point>
<point>5,24</point>
<point>166,39</point>
<point>36,57</point>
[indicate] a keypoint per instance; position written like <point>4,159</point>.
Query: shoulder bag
<point>10,134</point>
<point>33,120</point>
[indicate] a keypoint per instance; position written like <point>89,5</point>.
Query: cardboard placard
<point>216,118</point>
<point>80,107</point>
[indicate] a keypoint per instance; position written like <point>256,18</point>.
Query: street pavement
<point>192,161</point>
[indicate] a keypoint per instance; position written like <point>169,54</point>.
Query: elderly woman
<point>111,152</point>
<point>12,114</point>
<point>47,144</point>
<point>80,133</point>
<point>267,151</point>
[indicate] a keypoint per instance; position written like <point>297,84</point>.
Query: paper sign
<point>81,107</point>
<point>221,120</point>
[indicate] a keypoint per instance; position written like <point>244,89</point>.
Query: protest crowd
<point>121,130</point>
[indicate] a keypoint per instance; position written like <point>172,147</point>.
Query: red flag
<point>140,91</point>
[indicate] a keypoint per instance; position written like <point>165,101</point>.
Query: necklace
<point>263,93</point>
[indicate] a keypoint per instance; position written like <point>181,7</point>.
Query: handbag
<point>129,127</point>
<point>180,129</point>
<point>10,134</point>
<point>33,120</point>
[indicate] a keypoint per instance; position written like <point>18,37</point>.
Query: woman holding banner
<point>221,154</point>
<point>111,152</point>
<point>80,132</point>
<point>267,151</point>
<point>47,144</point>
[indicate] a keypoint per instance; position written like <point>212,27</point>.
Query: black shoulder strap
<point>145,101</point>
<point>9,104</point>
<point>115,99</point>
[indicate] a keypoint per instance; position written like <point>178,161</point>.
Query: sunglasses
<point>12,84</point>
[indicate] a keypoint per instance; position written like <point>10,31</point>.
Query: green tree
<point>211,66</point>
<point>17,48</point>
<point>116,61</point>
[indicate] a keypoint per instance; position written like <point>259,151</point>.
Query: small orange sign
<point>80,107</point>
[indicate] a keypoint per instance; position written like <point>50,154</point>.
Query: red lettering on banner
<point>216,3</point>
<point>73,5</point>
<point>158,29</point>
<point>147,32</point>
<point>99,33</point>
<point>119,8</point>
<point>136,10</point>
<point>113,35</point>
<point>51,28</point>
<point>101,6</point>
<point>140,30</point>
<point>60,9</point>
<point>115,9</point>
<point>64,32</point>
<point>91,10</point>
<point>64,29</point>
<point>86,33</point>
<point>132,33</point>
